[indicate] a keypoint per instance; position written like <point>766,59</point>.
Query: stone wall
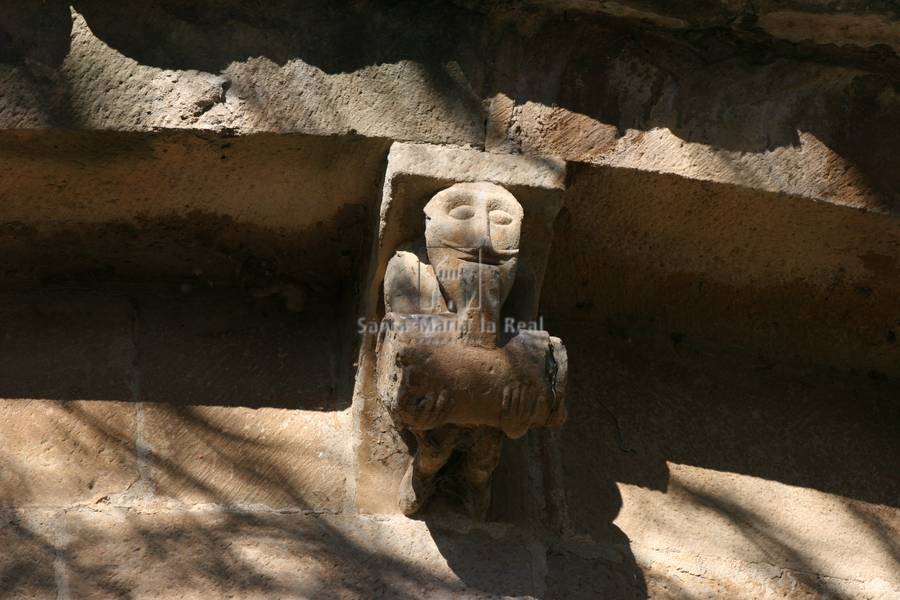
<point>188,196</point>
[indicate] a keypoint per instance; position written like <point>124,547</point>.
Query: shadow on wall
<point>693,423</point>
<point>766,92</point>
<point>298,549</point>
<point>242,357</point>
<point>762,534</point>
<point>769,272</point>
<point>194,360</point>
<point>641,409</point>
<point>184,347</point>
<point>99,550</point>
<point>540,568</point>
<point>630,416</point>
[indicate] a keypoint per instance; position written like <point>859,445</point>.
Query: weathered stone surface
<point>241,401</point>
<point>579,569</point>
<point>828,543</point>
<point>206,346</point>
<point>21,102</point>
<point>105,89</point>
<point>202,348</point>
<point>278,182</point>
<point>717,465</point>
<point>843,28</point>
<point>30,551</point>
<point>649,252</point>
<point>461,164</point>
<point>850,23</point>
<point>66,426</point>
<point>59,453</point>
<point>708,126</point>
<point>807,168</point>
<point>684,472</point>
<point>677,575</point>
<point>266,555</point>
<point>653,109</point>
<point>138,206</point>
<point>794,116</point>
<point>201,554</point>
<point>244,456</point>
<point>65,345</point>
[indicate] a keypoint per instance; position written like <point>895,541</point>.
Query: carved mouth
<point>485,256</point>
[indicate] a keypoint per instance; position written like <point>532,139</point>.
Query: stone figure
<point>452,368</point>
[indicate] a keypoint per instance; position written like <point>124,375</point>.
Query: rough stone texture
<point>103,89</point>
<point>678,575</point>
<point>797,85</point>
<point>649,252</point>
<point>210,553</point>
<point>222,378</point>
<point>29,560</point>
<point>137,206</point>
<point>729,475</point>
<point>276,458</point>
<point>65,345</point>
<point>842,29</point>
<point>74,363</point>
<point>199,555</point>
<point>62,359</point>
<point>686,470</point>
<point>770,527</point>
<point>847,23</point>
<point>54,453</point>
<point>287,182</point>
<point>112,552</point>
<point>205,346</point>
<point>768,122</point>
<point>21,104</point>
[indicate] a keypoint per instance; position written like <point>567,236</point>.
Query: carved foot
<point>415,490</point>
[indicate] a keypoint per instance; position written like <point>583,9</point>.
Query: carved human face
<point>472,233</point>
<point>470,217</point>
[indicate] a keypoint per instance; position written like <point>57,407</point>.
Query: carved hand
<point>423,410</point>
<point>520,403</point>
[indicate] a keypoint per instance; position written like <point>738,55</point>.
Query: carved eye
<point>500,217</point>
<point>462,212</point>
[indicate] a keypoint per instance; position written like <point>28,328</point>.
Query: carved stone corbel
<point>460,361</point>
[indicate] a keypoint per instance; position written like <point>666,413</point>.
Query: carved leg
<point>481,460</point>
<point>434,450</point>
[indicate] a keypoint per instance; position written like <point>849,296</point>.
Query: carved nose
<point>486,244</point>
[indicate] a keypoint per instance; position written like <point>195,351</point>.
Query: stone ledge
<point>196,205</point>
<point>464,164</point>
<point>786,123</point>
